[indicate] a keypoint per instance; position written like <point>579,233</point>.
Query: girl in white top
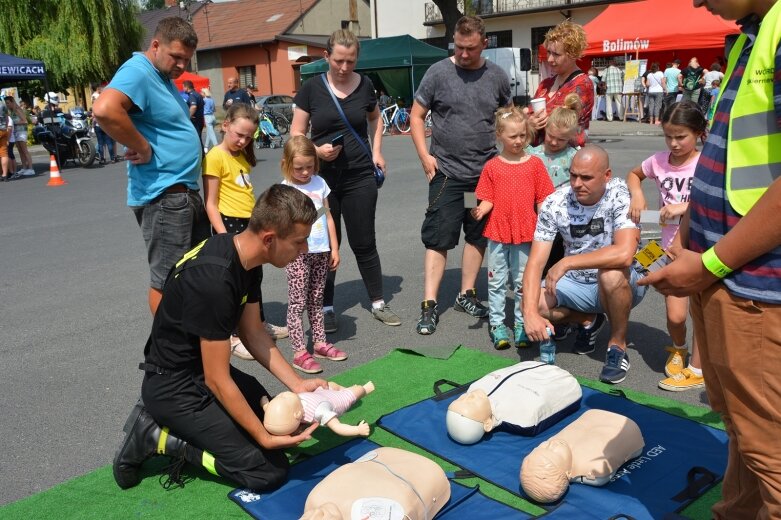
<point>307,273</point>
<point>655,83</point>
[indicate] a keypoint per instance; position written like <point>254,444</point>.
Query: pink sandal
<point>328,351</point>
<point>306,364</point>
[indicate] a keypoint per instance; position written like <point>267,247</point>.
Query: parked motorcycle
<point>56,132</point>
<point>79,118</point>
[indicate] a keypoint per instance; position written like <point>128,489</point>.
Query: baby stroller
<point>267,136</point>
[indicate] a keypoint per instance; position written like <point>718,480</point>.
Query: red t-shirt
<point>580,85</point>
<point>514,190</point>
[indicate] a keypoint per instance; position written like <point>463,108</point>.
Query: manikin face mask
<point>462,429</point>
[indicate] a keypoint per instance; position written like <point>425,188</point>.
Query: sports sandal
<point>239,350</point>
<point>328,351</point>
<point>307,364</point>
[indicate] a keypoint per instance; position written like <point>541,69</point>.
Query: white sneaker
<point>239,350</point>
<point>277,331</point>
<point>29,172</point>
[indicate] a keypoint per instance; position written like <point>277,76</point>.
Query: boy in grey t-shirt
<point>463,92</point>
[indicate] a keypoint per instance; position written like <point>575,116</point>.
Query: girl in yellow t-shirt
<point>228,189</point>
<point>226,182</point>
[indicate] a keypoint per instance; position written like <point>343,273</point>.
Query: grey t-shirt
<point>462,104</point>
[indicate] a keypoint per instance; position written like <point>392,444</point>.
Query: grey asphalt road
<point>74,318</point>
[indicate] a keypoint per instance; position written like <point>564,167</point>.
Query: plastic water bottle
<point>548,349</point>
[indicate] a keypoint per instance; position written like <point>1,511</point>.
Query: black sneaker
<point>616,365</point>
<point>469,304</point>
<point>330,322</point>
<point>586,340</point>
<point>561,331</point>
<point>429,317</point>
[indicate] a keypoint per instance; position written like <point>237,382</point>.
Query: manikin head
<point>283,414</point>
<point>469,417</point>
<point>546,470</point>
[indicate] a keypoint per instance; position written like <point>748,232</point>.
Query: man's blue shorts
<point>584,297</point>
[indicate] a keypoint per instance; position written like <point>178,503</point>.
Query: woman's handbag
<point>379,175</point>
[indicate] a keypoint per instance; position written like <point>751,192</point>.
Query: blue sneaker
<point>616,365</point>
<point>586,339</point>
<point>561,331</point>
<point>521,339</point>
<point>500,336</point>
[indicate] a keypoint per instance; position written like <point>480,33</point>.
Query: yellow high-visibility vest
<point>754,138</point>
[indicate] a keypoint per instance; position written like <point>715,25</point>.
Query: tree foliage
<point>450,15</point>
<point>79,41</point>
<point>151,5</point>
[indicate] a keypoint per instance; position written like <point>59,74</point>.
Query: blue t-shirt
<point>671,75</point>
<point>208,106</point>
<point>160,114</point>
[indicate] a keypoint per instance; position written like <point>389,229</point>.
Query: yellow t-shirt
<point>236,196</point>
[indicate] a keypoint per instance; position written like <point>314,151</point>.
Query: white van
<point>509,59</point>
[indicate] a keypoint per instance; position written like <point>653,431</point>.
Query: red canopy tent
<point>656,30</point>
<point>653,26</point>
<point>198,81</point>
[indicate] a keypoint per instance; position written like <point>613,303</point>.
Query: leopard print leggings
<point>305,285</point>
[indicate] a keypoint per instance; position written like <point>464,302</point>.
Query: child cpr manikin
<point>525,398</point>
<point>288,411</point>
<point>588,451</point>
<point>386,483</point>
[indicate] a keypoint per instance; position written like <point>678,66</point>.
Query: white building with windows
<point>509,23</point>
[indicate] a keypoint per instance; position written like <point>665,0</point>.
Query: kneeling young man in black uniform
<point>195,406</point>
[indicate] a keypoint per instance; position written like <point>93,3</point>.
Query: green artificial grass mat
<point>402,377</point>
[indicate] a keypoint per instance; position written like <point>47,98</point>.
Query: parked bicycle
<point>396,116</point>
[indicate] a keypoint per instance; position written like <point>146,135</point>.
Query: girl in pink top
<point>683,125</point>
<point>512,186</point>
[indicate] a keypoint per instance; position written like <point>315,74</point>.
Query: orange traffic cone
<point>54,173</point>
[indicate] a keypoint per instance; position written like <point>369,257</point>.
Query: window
<point>538,37</point>
<point>247,76</point>
<point>499,39</point>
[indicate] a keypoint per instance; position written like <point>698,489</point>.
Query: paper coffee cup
<point>538,104</point>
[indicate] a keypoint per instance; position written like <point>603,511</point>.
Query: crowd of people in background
<point>658,88</point>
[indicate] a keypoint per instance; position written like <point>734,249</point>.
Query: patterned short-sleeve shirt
<point>584,228</point>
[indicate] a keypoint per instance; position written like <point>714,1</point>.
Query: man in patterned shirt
<point>731,266</point>
<point>594,278</point>
<point>614,85</point>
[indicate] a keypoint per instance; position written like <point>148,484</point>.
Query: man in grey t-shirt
<point>463,92</point>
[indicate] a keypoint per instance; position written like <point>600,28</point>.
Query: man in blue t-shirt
<point>234,94</point>
<point>142,109</point>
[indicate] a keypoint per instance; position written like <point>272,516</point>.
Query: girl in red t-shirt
<point>511,188</point>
